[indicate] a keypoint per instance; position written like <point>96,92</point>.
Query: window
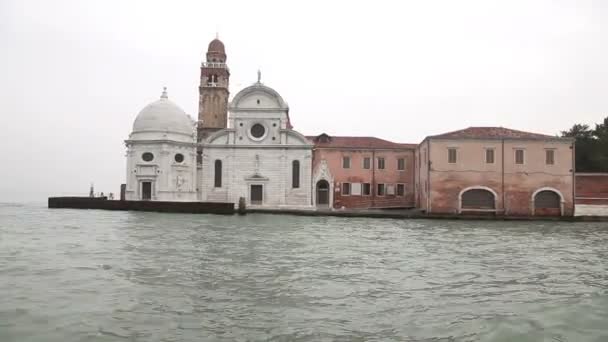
<point>257,131</point>
<point>380,190</point>
<point>295,174</point>
<point>490,156</point>
<point>218,174</point>
<point>549,157</point>
<point>355,189</point>
<point>390,190</point>
<point>345,189</point>
<point>147,156</point>
<point>401,164</point>
<point>179,158</point>
<point>380,163</point>
<point>346,162</point>
<point>451,155</point>
<point>366,189</point>
<point>367,163</point>
<point>519,156</point>
<point>400,189</point>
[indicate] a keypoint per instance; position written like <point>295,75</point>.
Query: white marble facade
<point>161,154</point>
<point>255,157</point>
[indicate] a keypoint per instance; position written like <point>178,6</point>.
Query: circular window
<point>147,156</point>
<point>179,157</point>
<point>257,131</point>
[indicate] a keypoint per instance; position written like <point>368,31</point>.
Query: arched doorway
<point>477,199</point>
<point>323,194</point>
<point>547,203</point>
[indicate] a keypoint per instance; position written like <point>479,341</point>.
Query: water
<point>78,275</point>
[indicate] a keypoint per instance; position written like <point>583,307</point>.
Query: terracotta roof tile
<point>327,141</point>
<point>491,133</point>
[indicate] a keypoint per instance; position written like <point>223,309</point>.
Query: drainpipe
<point>428,178</point>
<point>504,210</point>
<point>373,186</point>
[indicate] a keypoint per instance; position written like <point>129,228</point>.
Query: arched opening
<point>547,203</point>
<point>477,199</point>
<point>323,193</point>
<point>218,174</point>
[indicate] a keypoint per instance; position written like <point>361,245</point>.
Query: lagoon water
<point>85,275</point>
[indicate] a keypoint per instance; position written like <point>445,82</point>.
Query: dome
<point>165,116</point>
<point>216,45</point>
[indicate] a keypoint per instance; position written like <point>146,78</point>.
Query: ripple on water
<point>80,275</point>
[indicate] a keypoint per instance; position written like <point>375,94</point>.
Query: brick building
<point>495,170</point>
<point>362,172</point>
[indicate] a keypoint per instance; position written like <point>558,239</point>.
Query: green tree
<point>591,146</point>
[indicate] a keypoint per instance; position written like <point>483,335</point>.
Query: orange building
<point>495,170</point>
<point>362,172</point>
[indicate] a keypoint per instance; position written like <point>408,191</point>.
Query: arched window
<point>547,199</point>
<point>295,174</point>
<point>218,173</point>
<point>478,199</point>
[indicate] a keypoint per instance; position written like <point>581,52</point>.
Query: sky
<point>74,74</point>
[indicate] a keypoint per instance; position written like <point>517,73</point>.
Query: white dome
<point>163,116</point>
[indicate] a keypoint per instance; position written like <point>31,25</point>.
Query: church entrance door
<point>257,194</point>
<point>322,193</point>
<point>146,191</point>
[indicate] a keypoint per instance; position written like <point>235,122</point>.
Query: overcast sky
<point>74,74</point>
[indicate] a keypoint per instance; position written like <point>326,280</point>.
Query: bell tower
<point>213,91</point>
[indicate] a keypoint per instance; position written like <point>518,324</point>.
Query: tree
<point>591,146</point>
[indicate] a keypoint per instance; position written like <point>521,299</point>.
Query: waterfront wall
<point>592,188</point>
<point>160,206</point>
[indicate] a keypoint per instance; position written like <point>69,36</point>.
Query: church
<point>245,148</point>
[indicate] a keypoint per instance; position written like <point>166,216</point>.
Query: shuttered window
<point>490,156</point>
<point>519,156</point>
<point>478,199</point>
<point>547,199</point>
<point>366,189</point>
<point>550,157</point>
<point>346,162</point>
<point>401,164</point>
<point>345,189</point>
<point>367,163</point>
<point>380,190</point>
<point>451,155</point>
<point>400,189</point>
<point>380,163</point>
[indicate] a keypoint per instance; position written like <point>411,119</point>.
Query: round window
<point>147,156</point>
<point>179,157</point>
<point>257,131</point>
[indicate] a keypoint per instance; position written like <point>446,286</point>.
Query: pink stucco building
<point>362,172</point>
<point>495,170</point>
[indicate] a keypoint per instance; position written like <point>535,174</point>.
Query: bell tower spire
<point>213,90</point>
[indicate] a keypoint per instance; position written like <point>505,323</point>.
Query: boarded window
<point>380,163</point>
<point>366,189</point>
<point>355,189</point>
<point>478,199</point>
<point>519,156</point>
<point>400,189</point>
<point>490,156</point>
<point>295,174</point>
<point>345,189</point>
<point>390,190</point>
<point>367,163</point>
<point>401,164</point>
<point>380,190</point>
<point>550,157</point>
<point>218,174</point>
<point>547,199</point>
<point>346,162</point>
<point>451,155</point>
